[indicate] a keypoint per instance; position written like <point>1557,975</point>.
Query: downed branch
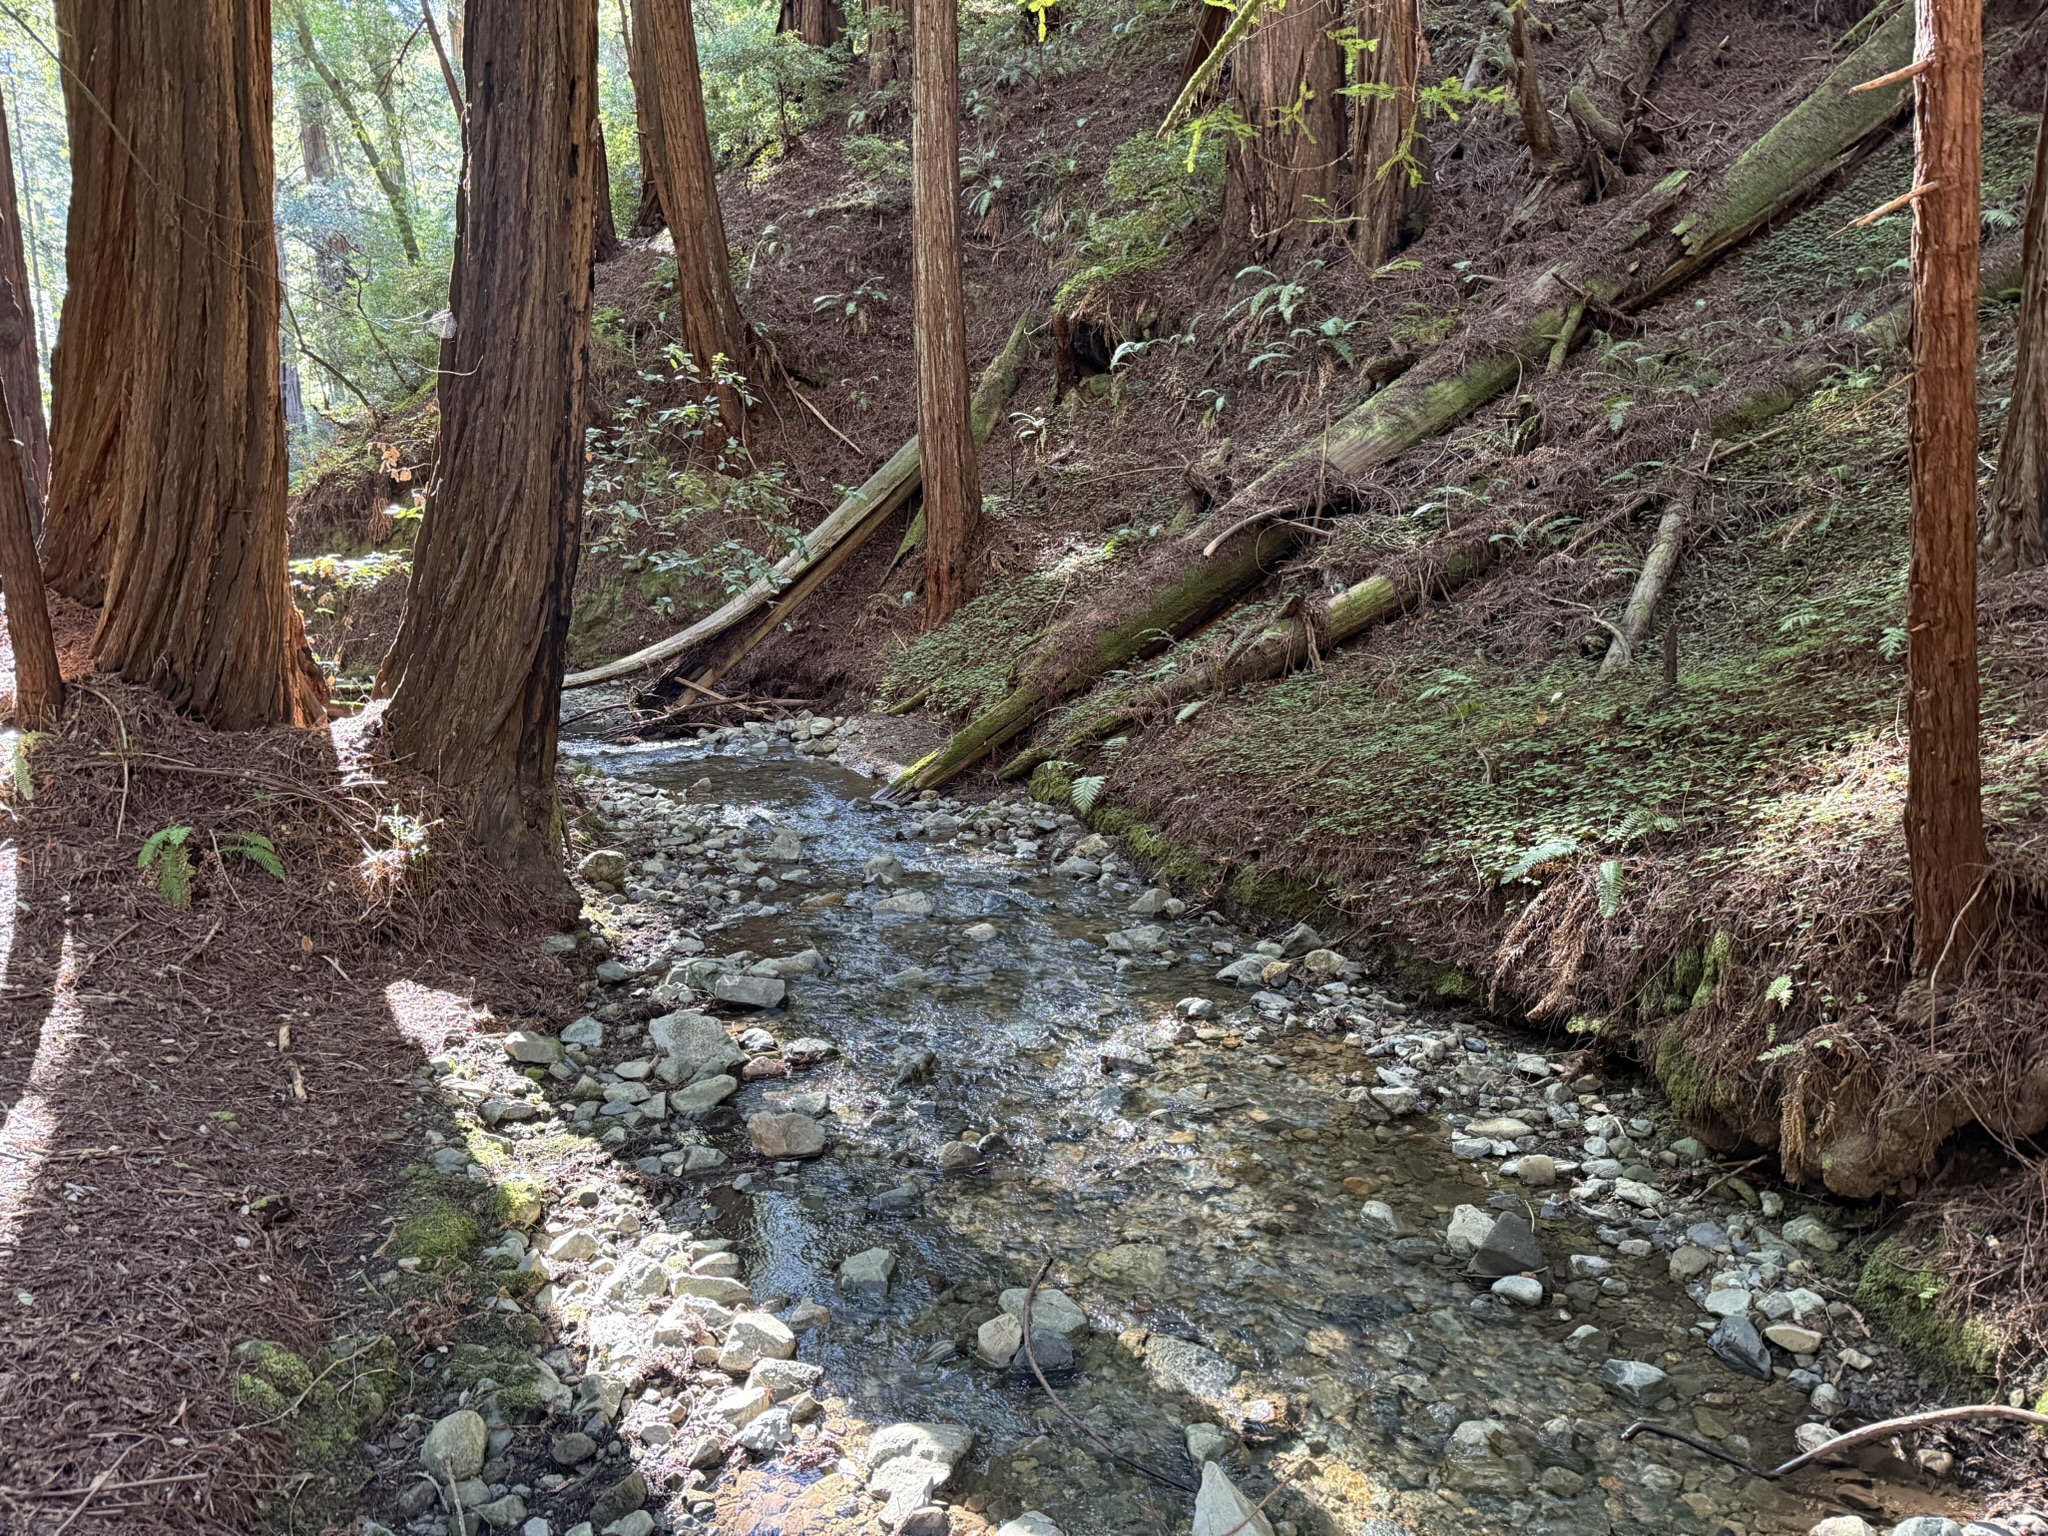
<point>1093,643</point>
<point>1869,1434</point>
<point>1296,638</point>
<point>828,545</point>
<point>1640,256</point>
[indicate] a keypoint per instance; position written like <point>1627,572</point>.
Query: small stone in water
<point>1469,1227</point>
<point>999,1339</point>
<point>1520,1289</point>
<point>1738,1345</point>
<point>958,1156</point>
<point>1633,1381</point>
<point>785,1135</point>
<point>867,1273</point>
<point>1536,1170</point>
<point>1793,1339</point>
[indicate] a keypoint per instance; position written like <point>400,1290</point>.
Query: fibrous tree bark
<point>21,373</point>
<point>1387,166</point>
<point>888,42</point>
<point>38,685</point>
<point>677,155</point>
<point>1944,793</point>
<point>197,604</point>
<point>1539,132</point>
<point>945,420</point>
<point>474,678</point>
<point>820,23</point>
<point>605,225</point>
<point>2018,534</point>
<point>93,340</point>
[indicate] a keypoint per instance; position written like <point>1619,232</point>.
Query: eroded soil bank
<point>852,1076</point>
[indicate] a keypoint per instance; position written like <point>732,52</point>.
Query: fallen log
<point>1654,244</point>
<point>865,509</point>
<point>1297,637</point>
<point>1091,644</point>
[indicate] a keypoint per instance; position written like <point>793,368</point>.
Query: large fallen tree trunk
<point>1657,242</point>
<point>1186,589</point>
<point>1296,638</point>
<point>865,509</point>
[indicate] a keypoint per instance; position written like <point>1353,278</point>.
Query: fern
<point>256,848</point>
<point>1779,992</point>
<point>1609,884</point>
<point>1543,853</point>
<point>167,854</point>
<point>1085,791</point>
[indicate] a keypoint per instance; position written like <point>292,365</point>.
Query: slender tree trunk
<point>475,677</point>
<point>2019,498</point>
<point>1944,815</point>
<point>607,229</point>
<point>38,685</point>
<point>21,373</point>
<point>679,144</point>
<point>647,218</point>
<point>390,177</point>
<point>1211,22</point>
<point>448,75</point>
<point>888,42</point>
<point>1285,182</point>
<point>1388,167</point>
<point>197,603</point>
<point>1539,132</point>
<point>945,424</point>
<point>93,330</point>
<point>820,23</point>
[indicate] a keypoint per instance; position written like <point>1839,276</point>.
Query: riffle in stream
<point>1257,1195</point>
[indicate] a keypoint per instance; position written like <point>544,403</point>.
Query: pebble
<point>572,1449</point>
<point>1051,1311</point>
<point>1812,1232</point>
<point>1793,1339</point>
<point>1737,1343</point>
<point>997,1341</point>
<point>454,1447</point>
<point>867,1273</point>
<point>532,1049</point>
<point>1536,1170</point>
<point>1221,1509</point>
<point>1469,1227</point>
<point>1843,1525</point>
<point>1522,1290</point>
<point>908,1463</point>
<point>958,1156</point>
<point>1633,1381</point>
<point>1030,1523</point>
<point>754,1336</point>
<point>1927,1525</point>
<point>1184,1367</point>
<point>785,1135</point>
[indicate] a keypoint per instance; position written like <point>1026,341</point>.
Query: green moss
<point>1053,784</point>
<point>1902,1290</point>
<point>272,1378</point>
<point>323,1404</point>
<point>966,666</point>
<point>1712,964</point>
<point>522,1385</point>
<point>518,1202</point>
<point>438,1223</point>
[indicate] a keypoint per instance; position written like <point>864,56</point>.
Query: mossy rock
<point>439,1227</point>
<point>523,1385</point>
<point>1901,1290</point>
<point>1053,784</point>
<point>324,1404</point>
<point>518,1202</point>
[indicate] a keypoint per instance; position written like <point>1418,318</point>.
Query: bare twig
<point>1867,1435</point>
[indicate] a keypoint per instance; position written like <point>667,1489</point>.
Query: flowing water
<point>1187,1179</point>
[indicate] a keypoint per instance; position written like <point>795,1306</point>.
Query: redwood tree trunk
<point>945,423</point>
<point>93,339</point>
<point>2019,499</point>
<point>38,686</point>
<point>1386,160</point>
<point>197,604</point>
<point>1289,174</point>
<point>1944,817</point>
<point>21,373</point>
<point>888,41</point>
<point>475,676</point>
<point>679,162</point>
<point>820,23</point>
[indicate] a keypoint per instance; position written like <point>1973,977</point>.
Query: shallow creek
<point>1203,1179</point>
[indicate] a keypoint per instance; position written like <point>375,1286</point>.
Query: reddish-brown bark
<point>1386,154</point>
<point>93,331</point>
<point>474,679</point>
<point>820,23</point>
<point>605,226</point>
<point>945,422</point>
<point>2019,497</point>
<point>1944,814</point>
<point>21,371</point>
<point>679,153</point>
<point>197,604</point>
<point>38,685</point>
<point>888,41</point>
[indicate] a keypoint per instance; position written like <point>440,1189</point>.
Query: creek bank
<point>777,1264</point>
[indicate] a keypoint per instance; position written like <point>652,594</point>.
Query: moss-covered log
<point>883,494</point>
<point>1653,245</point>
<point>1295,639</point>
<point>1184,590</point>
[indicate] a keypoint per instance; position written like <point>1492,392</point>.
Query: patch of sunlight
<point>431,1019</point>
<point>30,1129</point>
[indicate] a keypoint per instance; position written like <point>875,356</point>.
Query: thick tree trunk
<point>388,170</point>
<point>606,227</point>
<point>93,332</point>
<point>820,23</point>
<point>21,373</point>
<point>1638,256</point>
<point>38,685</point>
<point>1285,181</point>
<point>888,42</point>
<point>475,676</point>
<point>197,604</point>
<point>1388,166</point>
<point>1539,132</point>
<point>945,418</point>
<point>1944,811</point>
<point>2019,498</point>
<point>678,161</point>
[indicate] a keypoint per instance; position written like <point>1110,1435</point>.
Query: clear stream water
<point>1224,1149</point>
